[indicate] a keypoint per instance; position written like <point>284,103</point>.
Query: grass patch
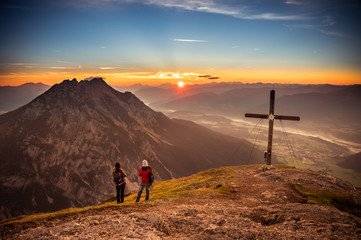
<point>40,216</point>
<point>323,197</point>
<point>329,198</point>
<point>210,182</point>
<point>283,167</point>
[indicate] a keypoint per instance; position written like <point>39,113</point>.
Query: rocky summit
<point>242,202</point>
<point>59,150</point>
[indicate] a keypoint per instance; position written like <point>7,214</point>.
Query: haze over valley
<point>328,132</point>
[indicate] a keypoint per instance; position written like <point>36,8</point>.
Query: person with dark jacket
<point>144,174</point>
<point>119,180</point>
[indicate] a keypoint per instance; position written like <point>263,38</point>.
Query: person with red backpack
<point>146,173</point>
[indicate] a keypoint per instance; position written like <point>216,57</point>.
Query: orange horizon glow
<point>333,77</point>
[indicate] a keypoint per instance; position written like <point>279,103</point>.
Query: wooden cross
<point>271,117</point>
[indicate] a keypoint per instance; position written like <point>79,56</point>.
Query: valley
<point>291,145</point>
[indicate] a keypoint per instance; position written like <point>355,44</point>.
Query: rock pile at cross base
<point>257,205</point>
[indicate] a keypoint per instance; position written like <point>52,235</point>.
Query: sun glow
<point>180,84</point>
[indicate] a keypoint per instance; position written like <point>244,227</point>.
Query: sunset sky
<point>159,41</point>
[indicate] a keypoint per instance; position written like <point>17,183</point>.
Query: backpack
<point>151,176</point>
<point>120,182</point>
<point>118,177</point>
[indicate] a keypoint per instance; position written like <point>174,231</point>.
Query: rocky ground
<point>259,205</point>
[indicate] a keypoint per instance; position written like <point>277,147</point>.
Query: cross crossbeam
<point>271,117</point>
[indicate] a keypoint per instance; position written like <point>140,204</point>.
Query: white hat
<point>145,163</point>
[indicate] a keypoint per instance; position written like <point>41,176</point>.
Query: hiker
<point>119,180</point>
<point>144,172</point>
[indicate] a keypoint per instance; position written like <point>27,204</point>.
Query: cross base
<point>267,168</point>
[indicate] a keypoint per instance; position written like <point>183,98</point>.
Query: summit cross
<point>271,117</point>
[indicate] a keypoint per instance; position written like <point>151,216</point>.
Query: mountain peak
<point>91,81</point>
<point>74,81</point>
<point>96,80</point>
<point>67,81</point>
<point>74,91</point>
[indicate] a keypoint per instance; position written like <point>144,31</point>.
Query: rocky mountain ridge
<point>241,202</point>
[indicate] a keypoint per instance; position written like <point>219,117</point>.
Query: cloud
<point>337,34</point>
<point>249,10</point>
<point>272,16</point>
<point>197,5</point>
<point>235,9</point>
<point>88,78</point>
<point>19,64</point>
<point>62,68</point>
<point>16,66</point>
<point>219,7</point>
<point>216,10</point>
<point>107,68</point>
<point>66,62</point>
<point>157,75</point>
<point>188,40</point>
<point>170,75</point>
<point>293,2</point>
<point>328,21</point>
<point>323,27</point>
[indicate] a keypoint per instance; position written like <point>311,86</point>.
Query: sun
<point>180,84</point>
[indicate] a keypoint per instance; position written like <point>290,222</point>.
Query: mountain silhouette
<point>14,97</point>
<point>59,150</point>
<point>352,162</point>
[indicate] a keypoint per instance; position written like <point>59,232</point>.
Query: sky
<point>159,41</point>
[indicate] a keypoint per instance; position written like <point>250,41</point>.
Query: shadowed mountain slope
<point>352,162</point>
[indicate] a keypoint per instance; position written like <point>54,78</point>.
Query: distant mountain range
<point>330,109</point>
<point>58,151</point>
<point>319,105</point>
<point>13,97</point>
<point>352,162</point>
